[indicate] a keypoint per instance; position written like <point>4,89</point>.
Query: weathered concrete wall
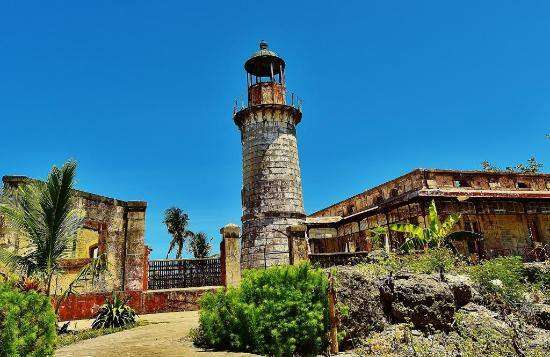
<point>119,227</point>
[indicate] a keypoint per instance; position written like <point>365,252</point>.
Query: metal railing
<point>291,100</point>
<point>184,273</point>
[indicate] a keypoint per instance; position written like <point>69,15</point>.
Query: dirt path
<point>165,336</point>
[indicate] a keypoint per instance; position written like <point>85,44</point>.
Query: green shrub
<point>114,313</point>
<point>281,311</point>
<point>27,323</point>
<point>502,277</point>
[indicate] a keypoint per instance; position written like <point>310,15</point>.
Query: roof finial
<point>263,45</point>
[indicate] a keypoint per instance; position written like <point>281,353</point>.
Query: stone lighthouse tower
<point>272,185</point>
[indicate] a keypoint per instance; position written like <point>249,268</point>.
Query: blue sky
<point>140,93</point>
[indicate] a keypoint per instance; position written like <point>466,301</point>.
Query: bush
<point>114,313</point>
<point>501,277</point>
<point>279,311</point>
<point>27,323</point>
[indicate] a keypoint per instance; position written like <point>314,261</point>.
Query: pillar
<point>230,255</point>
<point>297,243</point>
<point>135,254</point>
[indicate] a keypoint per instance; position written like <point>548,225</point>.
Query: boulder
<point>540,316</point>
<point>502,336</point>
<point>421,300</point>
<point>360,294</point>
<point>536,271</point>
<point>462,288</point>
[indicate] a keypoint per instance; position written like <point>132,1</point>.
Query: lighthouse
<point>272,185</point>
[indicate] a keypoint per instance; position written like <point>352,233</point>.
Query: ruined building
<point>510,210</point>
<point>272,187</point>
<point>112,227</point>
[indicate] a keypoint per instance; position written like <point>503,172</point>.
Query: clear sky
<point>140,93</point>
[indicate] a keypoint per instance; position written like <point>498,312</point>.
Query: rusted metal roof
<point>259,64</point>
<point>446,171</point>
<point>458,192</point>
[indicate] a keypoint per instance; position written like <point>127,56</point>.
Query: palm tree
<point>433,235</point>
<point>200,245</point>
<point>45,214</point>
<point>176,221</point>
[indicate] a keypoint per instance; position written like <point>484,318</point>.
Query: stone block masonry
<point>272,185</point>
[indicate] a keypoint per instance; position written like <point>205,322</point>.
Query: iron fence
<point>184,273</point>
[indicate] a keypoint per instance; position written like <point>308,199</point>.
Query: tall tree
<point>200,245</point>
<point>47,216</point>
<point>176,222</point>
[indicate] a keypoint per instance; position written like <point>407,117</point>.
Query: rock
<point>462,289</point>
<point>360,294</point>
<point>475,321</point>
<point>540,316</point>
<point>536,270</point>
<point>422,300</point>
<point>377,255</point>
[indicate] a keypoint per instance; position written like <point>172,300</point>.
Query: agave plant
<point>433,235</point>
<point>114,313</point>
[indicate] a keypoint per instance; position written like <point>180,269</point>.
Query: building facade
<point>272,187</point>
<point>510,210</point>
<point>112,227</point>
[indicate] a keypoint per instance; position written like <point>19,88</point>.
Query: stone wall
<point>272,186</point>
<point>120,230</point>
<point>422,179</point>
<point>511,210</point>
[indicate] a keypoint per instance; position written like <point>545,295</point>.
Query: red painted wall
<point>85,306</point>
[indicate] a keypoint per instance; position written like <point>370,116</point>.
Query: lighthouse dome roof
<point>259,64</point>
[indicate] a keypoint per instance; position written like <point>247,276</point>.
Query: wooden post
<point>333,333</point>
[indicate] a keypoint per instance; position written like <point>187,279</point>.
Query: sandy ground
<point>165,336</point>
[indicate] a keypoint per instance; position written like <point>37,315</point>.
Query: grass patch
<point>76,336</point>
<point>426,262</point>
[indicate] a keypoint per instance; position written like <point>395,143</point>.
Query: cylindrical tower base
<point>272,187</point>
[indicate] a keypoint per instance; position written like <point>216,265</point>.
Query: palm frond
<point>45,214</point>
<point>449,223</point>
<point>17,263</point>
<point>407,228</point>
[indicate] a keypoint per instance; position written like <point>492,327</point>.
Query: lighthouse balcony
<point>268,95</point>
